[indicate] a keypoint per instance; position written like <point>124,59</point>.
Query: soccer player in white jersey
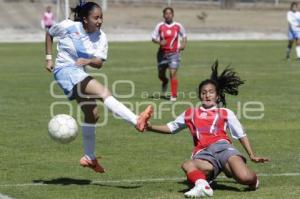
<point>80,43</point>
<point>166,34</point>
<point>293,18</point>
<point>213,150</point>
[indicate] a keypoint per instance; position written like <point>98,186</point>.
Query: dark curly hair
<point>226,83</point>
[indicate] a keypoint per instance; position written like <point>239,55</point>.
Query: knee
<point>173,76</point>
<point>188,165</point>
<point>247,178</point>
<point>91,117</point>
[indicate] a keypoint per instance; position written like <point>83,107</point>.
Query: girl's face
<point>168,16</point>
<point>94,21</point>
<point>295,8</point>
<point>209,96</point>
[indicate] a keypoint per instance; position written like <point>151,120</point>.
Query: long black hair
<point>83,10</point>
<point>226,83</point>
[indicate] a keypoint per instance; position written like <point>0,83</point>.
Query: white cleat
<point>200,190</point>
<point>173,99</point>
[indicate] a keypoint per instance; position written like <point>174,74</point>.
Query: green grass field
<point>145,165</point>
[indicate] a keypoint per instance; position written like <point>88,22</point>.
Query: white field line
<point>4,196</point>
<point>143,180</point>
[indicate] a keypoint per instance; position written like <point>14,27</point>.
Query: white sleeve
<point>59,29</point>
<point>155,33</point>
<point>102,47</point>
<point>235,126</point>
<point>178,124</point>
<point>182,32</point>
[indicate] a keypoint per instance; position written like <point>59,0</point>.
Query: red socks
<point>195,175</point>
<point>174,85</point>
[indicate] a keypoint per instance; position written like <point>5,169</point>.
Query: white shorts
<point>68,77</point>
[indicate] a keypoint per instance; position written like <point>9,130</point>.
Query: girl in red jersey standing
<point>166,35</point>
<point>213,152</point>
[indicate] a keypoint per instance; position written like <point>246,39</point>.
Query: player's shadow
<point>215,186</point>
<point>64,181</point>
<point>82,182</point>
<point>159,96</point>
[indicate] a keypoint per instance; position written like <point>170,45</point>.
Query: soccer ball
<point>62,128</point>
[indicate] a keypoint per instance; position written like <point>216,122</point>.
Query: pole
<point>104,5</point>
<point>66,9</point>
<point>57,10</point>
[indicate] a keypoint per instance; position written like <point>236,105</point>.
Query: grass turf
<point>29,156</point>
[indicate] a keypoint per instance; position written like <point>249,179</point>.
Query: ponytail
<point>83,10</point>
<point>226,83</point>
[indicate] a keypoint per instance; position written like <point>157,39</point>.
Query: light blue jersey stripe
<point>74,34</point>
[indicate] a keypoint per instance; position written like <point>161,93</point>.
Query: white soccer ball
<point>63,128</point>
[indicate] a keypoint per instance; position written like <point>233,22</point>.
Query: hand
<point>181,48</point>
<point>163,42</point>
<point>49,65</point>
<point>149,126</point>
<point>259,159</point>
<point>82,62</point>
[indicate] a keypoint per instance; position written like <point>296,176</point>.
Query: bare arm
<point>159,42</point>
<point>163,129</point>
<point>183,43</point>
<point>48,51</point>
<point>94,62</point>
<point>247,146</point>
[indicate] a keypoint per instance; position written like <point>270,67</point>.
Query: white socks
<point>88,135</point>
<point>298,51</point>
<point>89,130</point>
<point>119,109</point>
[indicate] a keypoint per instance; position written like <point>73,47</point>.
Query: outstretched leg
<point>240,172</point>
<point>94,89</point>
<point>197,172</point>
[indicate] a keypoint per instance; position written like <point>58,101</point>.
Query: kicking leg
<point>97,90</point>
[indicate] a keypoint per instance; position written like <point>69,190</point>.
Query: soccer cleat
<point>173,99</point>
<point>254,187</point>
<point>201,189</point>
<point>93,164</point>
<point>141,124</point>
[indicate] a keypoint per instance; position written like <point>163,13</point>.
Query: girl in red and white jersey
<point>213,150</point>
<point>166,34</point>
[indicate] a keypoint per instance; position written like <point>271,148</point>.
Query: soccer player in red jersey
<point>166,35</point>
<point>213,150</point>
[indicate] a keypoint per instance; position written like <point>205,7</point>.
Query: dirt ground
<point>198,20</point>
<point>21,21</point>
